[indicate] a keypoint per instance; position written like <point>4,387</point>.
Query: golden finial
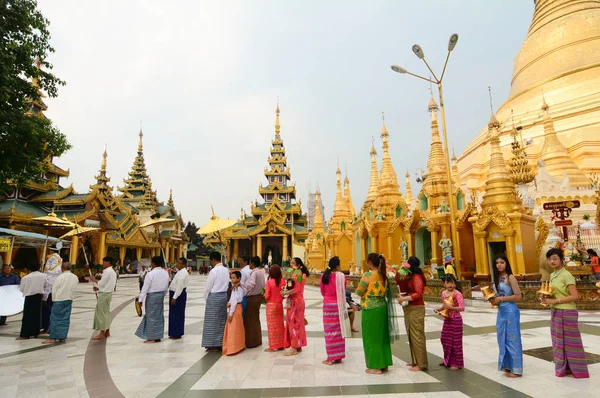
<point>491,104</point>
<point>373,150</point>
<point>103,165</point>
<point>453,154</point>
<point>384,131</point>
<point>545,106</point>
<point>277,126</point>
<point>141,135</point>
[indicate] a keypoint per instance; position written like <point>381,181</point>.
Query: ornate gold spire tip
<point>277,125</point>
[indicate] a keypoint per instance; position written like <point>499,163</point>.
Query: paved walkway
<point>123,366</point>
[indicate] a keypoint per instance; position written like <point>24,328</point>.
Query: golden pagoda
<point>316,246</point>
<point>379,227</point>
<point>348,196</point>
<point>520,171</point>
<point>503,225</point>
<point>276,230</point>
<point>340,241</point>
<point>409,197</point>
<point>561,58</point>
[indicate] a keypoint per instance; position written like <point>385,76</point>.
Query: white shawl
<point>340,290</point>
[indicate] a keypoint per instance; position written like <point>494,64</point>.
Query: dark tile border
<point>98,381</point>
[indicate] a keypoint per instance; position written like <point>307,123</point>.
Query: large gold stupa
<point>558,65</point>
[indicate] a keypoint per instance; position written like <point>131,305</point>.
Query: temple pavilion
<point>276,228</point>
<point>118,218</point>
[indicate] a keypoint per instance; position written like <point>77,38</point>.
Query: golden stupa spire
<point>374,181</point>
<point>555,155</point>
<point>318,220</point>
<point>340,207</point>
<point>389,195</point>
<point>103,164</point>
<point>101,179</point>
<point>170,201</point>
<point>277,125</point>
<point>500,190</point>
<point>436,183</point>
<point>409,194</point>
<point>347,195</point>
<point>140,143</point>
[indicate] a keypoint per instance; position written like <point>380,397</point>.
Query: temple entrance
<point>24,257</point>
<point>272,245</point>
<point>423,245</point>
<point>493,249</point>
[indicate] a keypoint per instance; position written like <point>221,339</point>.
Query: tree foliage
<point>26,138</point>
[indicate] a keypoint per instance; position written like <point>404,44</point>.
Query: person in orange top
<point>274,300</point>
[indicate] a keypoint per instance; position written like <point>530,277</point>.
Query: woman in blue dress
<point>508,325</point>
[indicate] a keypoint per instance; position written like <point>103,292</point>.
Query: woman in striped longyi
<point>335,317</point>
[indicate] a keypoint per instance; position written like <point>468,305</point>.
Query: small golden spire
<point>436,183</point>
<point>347,195</point>
<point>500,189</point>
<point>409,195</point>
<point>103,165</point>
<point>277,126</point>
<point>374,180</point>
<point>384,131</point>
<point>318,221</point>
<point>555,156</point>
<point>388,194</point>
<point>140,144</point>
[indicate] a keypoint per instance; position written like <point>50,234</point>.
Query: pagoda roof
<point>13,206</point>
<point>52,168</point>
<point>51,196</point>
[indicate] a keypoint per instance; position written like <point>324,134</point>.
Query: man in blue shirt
<point>7,278</point>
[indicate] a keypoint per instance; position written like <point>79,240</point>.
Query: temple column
<point>410,241</point>
<point>285,248</point>
<point>481,253</point>
<point>74,250</point>
<point>236,249</point>
<point>259,246</point>
<point>122,251</point>
<point>172,255</point>
<point>434,248</point>
<point>509,236</point>
<point>390,253</point>
<point>102,247</point>
<point>180,250</point>
<point>138,253</point>
<point>166,250</point>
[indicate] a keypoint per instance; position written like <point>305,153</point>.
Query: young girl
<point>508,327</point>
<point>275,325</point>
<point>295,329</point>
<point>234,338</point>
<point>452,331</point>
<point>569,356</point>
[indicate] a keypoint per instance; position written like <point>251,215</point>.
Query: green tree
<point>27,138</point>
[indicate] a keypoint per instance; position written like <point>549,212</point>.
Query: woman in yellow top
<point>372,290</point>
<point>569,357</point>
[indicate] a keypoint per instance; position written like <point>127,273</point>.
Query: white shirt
<point>237,295</point>
<point>179,282</point>
<point>109,280</point>
<point>245,273</point>
<point>157,280</point>
<point>64,286</point>
<point>53,270</point>
<point>218,280</point>
<point>33,284</point>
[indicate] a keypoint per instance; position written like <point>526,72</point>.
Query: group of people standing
<point>48,299</point>
<point>379,328</point>
<point>233,302</point>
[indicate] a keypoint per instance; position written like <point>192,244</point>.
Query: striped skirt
<point>569,356</point>
<point>215,316</point>
<point>177,314</point>
<point>335,344</point>
<point>275,325</point>
<point>452,342</point>
<point>60,319</point>
<point>152,326</point>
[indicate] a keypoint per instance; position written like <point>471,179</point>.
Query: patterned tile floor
<point>123,366</point>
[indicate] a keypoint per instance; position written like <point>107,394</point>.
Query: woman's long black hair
<point>334,262</point>
<point>379,261</point>
<point>415,268</point>
<point>301,266</point>
<point>495,270</point>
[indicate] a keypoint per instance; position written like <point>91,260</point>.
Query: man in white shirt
<point>52,270</point>
<point>63,292</point>
<point>156,284</point>
<point>245,271</point>
<point>215,313</point>
<point>178,299</point>
<point>105,289</point>
<point>32,287</point>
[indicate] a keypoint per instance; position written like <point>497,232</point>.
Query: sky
<point>203,79</point>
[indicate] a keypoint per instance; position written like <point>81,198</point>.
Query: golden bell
<point>446,312</point>
<point>488,294</point>
<point>546,289</point>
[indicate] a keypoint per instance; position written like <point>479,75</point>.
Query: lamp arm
<point>431,70</point>
<point>445,64</point>
<point>420,77</point>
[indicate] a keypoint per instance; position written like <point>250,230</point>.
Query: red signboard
<point>566,204</point>
<point>563,223</point>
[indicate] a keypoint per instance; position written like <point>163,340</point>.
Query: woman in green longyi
<point>372,290</point>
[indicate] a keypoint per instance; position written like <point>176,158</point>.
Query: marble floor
<point>122,366</point>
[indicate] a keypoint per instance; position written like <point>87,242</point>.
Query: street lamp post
<point>438,82</point>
